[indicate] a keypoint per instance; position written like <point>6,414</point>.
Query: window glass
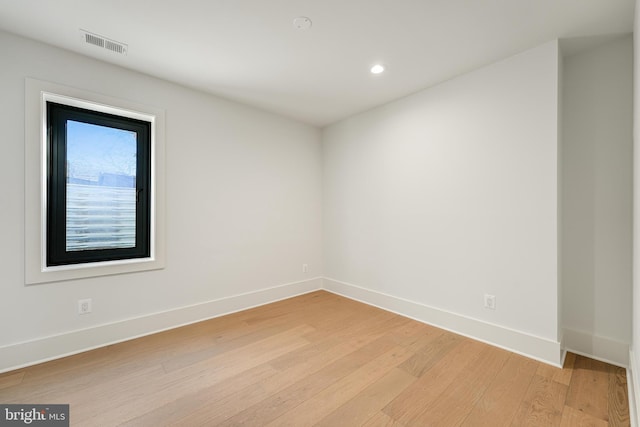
<point>101,187</point>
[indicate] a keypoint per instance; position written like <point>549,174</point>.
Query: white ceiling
<point>248,50</point>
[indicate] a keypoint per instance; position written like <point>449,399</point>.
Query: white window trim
<point>37,93</point>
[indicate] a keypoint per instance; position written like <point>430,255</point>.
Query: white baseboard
<point>595,347</point>
<point>633,387</point>
<point>534,347</point>
<point>19,355</point>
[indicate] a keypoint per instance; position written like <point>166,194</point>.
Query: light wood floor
<point>320,359</point>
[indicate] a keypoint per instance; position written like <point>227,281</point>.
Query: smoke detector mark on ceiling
<point>302,23</point>
<point>103,42</point>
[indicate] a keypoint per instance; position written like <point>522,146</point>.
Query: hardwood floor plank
<point>301,305</point>
<point>618,400</point>
<point>499,405</point>
<point>370,401</point>
<point>456,402</point>
<point>65,379</point>
<point>436,347</point>
<point>223,344</point>
<point>11,379</point>
<point>416,335</point>
<point>279,403</point>
<point>98,405</point>
<point>412,335</point>
<point>376,326</point>
<point>589,388</point>
<point>312,410</point>
<point>335,360</point>
<point>380,419</point>
<point>573,417</point>
<point>341,314</point>
<point>172,412</point>
<point>261,349</point>
<point>543,403</point>
<point>218,369</point>
<point>161,388</point>
<point>407,407</point>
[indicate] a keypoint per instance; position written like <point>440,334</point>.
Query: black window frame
<point>57,115</point>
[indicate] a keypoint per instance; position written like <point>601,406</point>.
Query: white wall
<point>597,200</point>
<point>243,192</point>
<point>451,193</point>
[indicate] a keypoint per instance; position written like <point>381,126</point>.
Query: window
<point>98,181</point>
<point>94,184</point>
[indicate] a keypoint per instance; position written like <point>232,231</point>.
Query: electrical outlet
<point>305,268</point>
<point>84,306</point>
<point>490,301</point>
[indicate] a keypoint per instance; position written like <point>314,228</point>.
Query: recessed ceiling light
<point>302,23</point>
<point>377,69</point>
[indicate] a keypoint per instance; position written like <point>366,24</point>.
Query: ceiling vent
<point>104,42</point>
